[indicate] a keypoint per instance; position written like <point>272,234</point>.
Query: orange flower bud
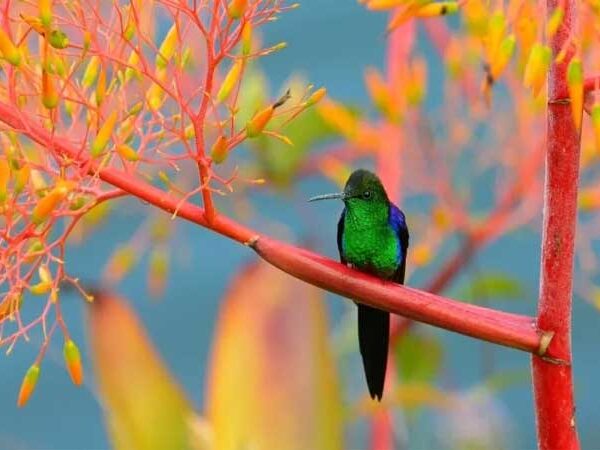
<point>48,204</point>
<point>73,362</point>
<point>28,385</point>
<point>219,150</point>
<point>101,87</point>
<point>246,39</point>
<point>423,11</point>
<point>236,8</point>
<point>8,50</point>
<point>49,93</point>
<point>34,22</point>
<point>104,133</point>
<point>259,121</point>
<point>10,305</point>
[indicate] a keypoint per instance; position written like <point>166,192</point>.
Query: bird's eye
<point>367,195</point>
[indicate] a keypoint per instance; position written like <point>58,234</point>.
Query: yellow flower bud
<point>101,87</point>
<point>45,12</point>
<point>596,125</point>
<point>91,72</point>
<point>575,85</point>
<point>104,134</point>
<point>8,50</point>
<point>554,21</point>
<point>537,67</point>
<point>167,48</point>
<point>132,62</point>
<point>4,178</point>
<point>316,96</point>
<point>502,56</point>
<point>127,152</point>
<point>230,81</point>
<point>21,178</point>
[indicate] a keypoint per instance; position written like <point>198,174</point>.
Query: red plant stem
<point>507,329</point>
<point>553,383</point>
<point>511,330</point>
<point>198,122</point>
<point>382,431</point>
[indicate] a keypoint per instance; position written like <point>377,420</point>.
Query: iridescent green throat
<point>369,241</point>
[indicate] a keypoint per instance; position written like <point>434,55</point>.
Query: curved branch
<point>499,327</point>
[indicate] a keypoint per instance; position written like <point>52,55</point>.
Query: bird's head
<point>363,193</point>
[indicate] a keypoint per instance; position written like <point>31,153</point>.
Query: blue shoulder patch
<point>398,223</point>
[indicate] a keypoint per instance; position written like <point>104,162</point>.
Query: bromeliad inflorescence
<point>149,89</point>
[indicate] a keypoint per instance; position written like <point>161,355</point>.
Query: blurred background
<point>479,395</point>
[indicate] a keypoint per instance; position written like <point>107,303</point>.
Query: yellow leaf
<point>145,408</point>
<point>272,382</point>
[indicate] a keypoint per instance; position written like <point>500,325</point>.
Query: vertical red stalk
<point>382,430</point>
<point>552,382</point>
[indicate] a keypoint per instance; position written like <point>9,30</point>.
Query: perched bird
<point>372,236</point>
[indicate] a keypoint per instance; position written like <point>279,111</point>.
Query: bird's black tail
<point>373,338</point>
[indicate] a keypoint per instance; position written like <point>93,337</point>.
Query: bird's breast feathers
<point>372,249</point>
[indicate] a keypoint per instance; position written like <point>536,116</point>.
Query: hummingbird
<point>372,236</point>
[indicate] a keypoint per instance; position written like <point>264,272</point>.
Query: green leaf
<point>418,357</point>
<point>488,286</point>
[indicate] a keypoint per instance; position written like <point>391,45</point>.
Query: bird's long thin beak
<point>339,195</point>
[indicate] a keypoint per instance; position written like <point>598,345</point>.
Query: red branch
<point>502,328</point>
<point>553,383</point>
